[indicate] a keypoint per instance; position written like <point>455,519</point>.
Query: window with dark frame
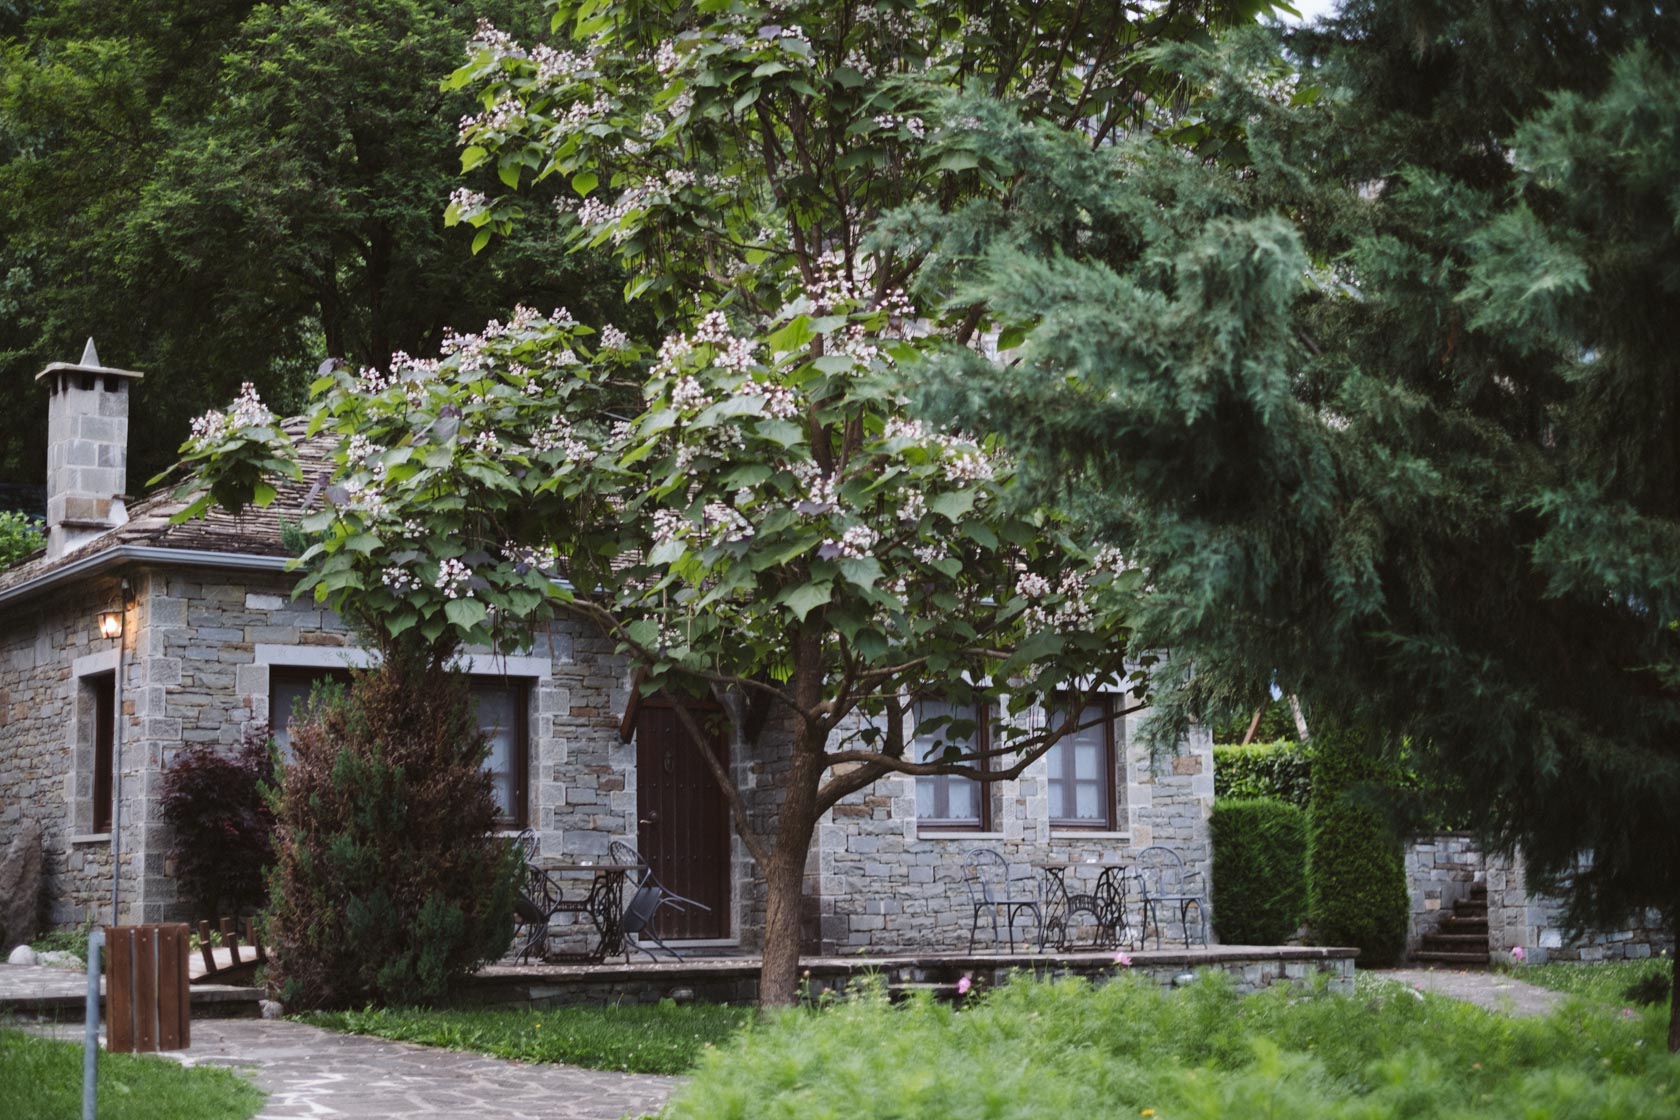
<point>104,690</point>
<point>1082,770</point>
<point>502,715</point>
<point>949,801</point>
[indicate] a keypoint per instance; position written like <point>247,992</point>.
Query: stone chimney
<point>87,450</point>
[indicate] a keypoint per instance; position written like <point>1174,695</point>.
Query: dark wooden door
<point>684,826</point>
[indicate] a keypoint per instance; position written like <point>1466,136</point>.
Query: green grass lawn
<point>637,1038</point>
<point>1054,1050</point>
<point>42,1080</point>
<point>1606,982</point>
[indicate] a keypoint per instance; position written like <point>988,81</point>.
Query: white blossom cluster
<point>560,436</point>
<point>915,126</point>
<point>932,552</point>
<point>857,60</point>
<point>858,540</point>
<point>913,509</point>
<point>248,411</point>
<point>453,578</point>
<point>487,37</point>
<point>666,59</point>
<point>467,201</point>
<point>725,524</point>
<point>526,555</point>
<point>689,395</point>
<point>400,580</point>
<point>780,401</point>
<point>820,491</point>
<point>1074,610</point>
<point>961,460</point>
<point>486,442</point>
<point>502,116</point>
<point>557,68</point>
<point>365,499</point>
<point>667,525</point>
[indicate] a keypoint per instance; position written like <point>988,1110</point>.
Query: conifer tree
<point>1364,358</point>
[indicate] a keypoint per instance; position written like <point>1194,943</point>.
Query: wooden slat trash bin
<point>146,1003</point>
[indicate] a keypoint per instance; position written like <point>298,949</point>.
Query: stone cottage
<point>201,638</point>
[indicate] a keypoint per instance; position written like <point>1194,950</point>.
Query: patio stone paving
<point>309,1072</point>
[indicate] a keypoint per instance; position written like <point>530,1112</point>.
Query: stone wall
<point>886,885</point>
<point>1441,869</point>
<point>46,744</point>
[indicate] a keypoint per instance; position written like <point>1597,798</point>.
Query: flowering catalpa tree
<point>746,505</point>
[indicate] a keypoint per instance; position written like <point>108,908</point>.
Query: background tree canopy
<point>223,191</point>
<point>1370,371</point>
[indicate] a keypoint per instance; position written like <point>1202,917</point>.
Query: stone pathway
<point>1496,991</point>
<point>309,1072</point>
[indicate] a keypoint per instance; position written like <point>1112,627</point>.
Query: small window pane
<point>947,798</point>
<point>498,716</point>
<point>1088,805</point>
<point>1081,772</point>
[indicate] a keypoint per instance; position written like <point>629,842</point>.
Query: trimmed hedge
<point>1281,770</point>
<point>1259,870</point>
<point>1356,863</point>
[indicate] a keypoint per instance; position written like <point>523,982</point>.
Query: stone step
<point>1456,942</point>
<point>1470,909</point>
<point>940,990</point>
<point>1460,960</point>
<point>1478,892</point>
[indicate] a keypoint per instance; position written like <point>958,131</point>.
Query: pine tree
<point>1364,358</point>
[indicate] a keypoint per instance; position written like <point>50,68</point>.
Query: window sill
<point>90,838</point>
<point>956,834</point>
<point>1088,834</point>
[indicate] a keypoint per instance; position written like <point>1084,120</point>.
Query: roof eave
<point>118,555</point>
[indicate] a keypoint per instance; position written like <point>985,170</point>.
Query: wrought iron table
<point>602,904</point>
<point>1105,902</point>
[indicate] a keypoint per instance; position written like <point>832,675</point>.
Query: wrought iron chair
<point>535,904</point>
<point>986,875</point>
<point>648,897</point>
<point>1168,884</point>
<point>1104,907</point>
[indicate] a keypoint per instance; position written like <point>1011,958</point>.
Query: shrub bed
<point>1066,1049</point>
<point>1356,864</point>
<point>1281,770</point>
<point>1259,870</point>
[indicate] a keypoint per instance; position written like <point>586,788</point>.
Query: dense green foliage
<point>215,805</point>
<point>223,191</point>
<point>20,535</point>
<point>42,1080</point>
<point>1369,372</point>
<point>1259,870</point>
<point>389,880</point>
<point>635,1038</point>
<point>1282,770</point>
<point>1356,866</point>
<point>1047,1051</point>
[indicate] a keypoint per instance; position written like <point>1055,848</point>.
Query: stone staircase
<point>1461,940</point>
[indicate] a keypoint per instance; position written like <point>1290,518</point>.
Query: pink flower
<point>1518,955</point>
<point>1123,959</point>
<point>964,985</point>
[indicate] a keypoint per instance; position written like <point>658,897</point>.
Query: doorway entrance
<point>683,820</point>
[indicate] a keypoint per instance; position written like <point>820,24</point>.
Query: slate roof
<point>255,532</point>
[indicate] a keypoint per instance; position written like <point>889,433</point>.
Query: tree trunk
<point>796,824</point>
<point>778,978</point>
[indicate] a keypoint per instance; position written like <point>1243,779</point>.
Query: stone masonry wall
<point>887,886</point>
<point>45,745</point>
<point>1441,869</point>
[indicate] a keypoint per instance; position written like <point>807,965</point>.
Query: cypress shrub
<point>1281,770</point>
<point>1355,861</point>
<point>389,880</point>
<point>224,829</point>
<point>1259,870</point>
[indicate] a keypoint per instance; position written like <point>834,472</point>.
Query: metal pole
<point>90,1028</point>
<point>116,776</point>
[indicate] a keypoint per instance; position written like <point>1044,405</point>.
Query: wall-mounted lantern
<point>110,624</point>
